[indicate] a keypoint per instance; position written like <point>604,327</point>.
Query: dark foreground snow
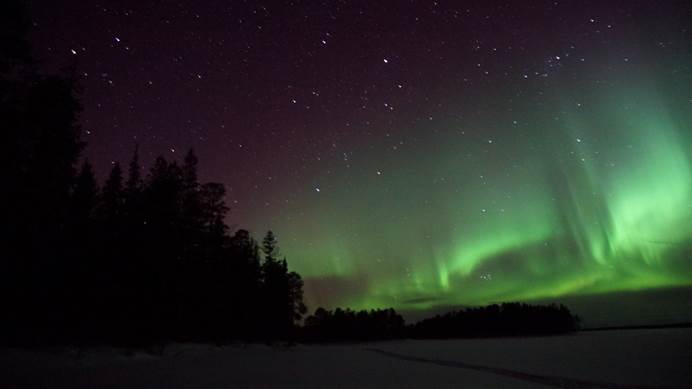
<point>596,359</point>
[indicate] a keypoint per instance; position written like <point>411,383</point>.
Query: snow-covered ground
<point>601,359</point>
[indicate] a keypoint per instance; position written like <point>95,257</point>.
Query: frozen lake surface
<point>631,358</point>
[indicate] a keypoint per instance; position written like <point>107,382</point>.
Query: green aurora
<point>590,194</point>
<point>411,154</point>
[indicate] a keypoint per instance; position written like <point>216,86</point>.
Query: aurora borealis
<point>414,154</point>
<point>598,201</point>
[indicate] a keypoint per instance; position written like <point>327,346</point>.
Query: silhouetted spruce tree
<point>245,284</point>
<point>295,308</point>
<point>274,289</point>
<point>112,251</point>
<point>133,185</point>
<point>213,210</point>
<point>281,292</point>
<point>85,269</point>
<point>162,200</point>
<point>190,169</point>
<point>112,202</point>
<point>84,195</point>
<point>133,316</point>
<point>134,222</point>
<point>270,247</point>
<point>191,212</point>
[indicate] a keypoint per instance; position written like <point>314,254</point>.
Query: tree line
<point>507,319</point>
<point>142,257</point>
<point>147,258</point>
<point>348,325</point>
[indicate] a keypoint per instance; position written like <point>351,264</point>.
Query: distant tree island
<point>507,319</point>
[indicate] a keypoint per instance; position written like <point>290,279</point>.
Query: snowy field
<point>652,358</point>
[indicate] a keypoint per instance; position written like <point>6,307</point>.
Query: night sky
<point>412,153</point>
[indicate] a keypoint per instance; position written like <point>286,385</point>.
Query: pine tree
<point>213,207</point>
<point>85,193</point>
<point>269,247</point>
<point>191,206</point>
<point>282,291</point>
<point>296,307</point>
<point>190,170</point>
<point>133,186</point>
<point>113,196</point>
